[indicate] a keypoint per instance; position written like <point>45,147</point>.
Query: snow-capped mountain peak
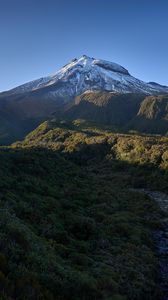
<point>88,64</point>
<point>88,73</point>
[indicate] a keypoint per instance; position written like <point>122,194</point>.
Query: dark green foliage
<point>70,226</point>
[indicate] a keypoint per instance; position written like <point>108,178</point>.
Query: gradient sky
<point>38,37</point>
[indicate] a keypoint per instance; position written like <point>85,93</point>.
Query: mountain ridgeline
<point>75,223</point>
<point>88,88</point>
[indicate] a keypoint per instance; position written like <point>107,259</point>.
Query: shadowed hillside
<point>71,224</point>
<point>124,112</point>
<point>152,116</point>
<point>104,108</point>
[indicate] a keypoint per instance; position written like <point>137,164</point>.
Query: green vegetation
<point>105,108</point>
<point>144,114</point>
<point>71,227</point>
<point>122,112</point>
<point>152,116</point>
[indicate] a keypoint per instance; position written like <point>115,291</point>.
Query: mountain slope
<point>155,107</point>
<point>152,115</point>
<point>88,88</point>
<point>88,73</point>
<point>104,107</point>
<point>124,111</point>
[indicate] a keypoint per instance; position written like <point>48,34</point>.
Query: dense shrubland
<point>71,227</point>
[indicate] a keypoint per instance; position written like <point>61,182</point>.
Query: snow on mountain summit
<point>87,73</point>
<point>88,62</point>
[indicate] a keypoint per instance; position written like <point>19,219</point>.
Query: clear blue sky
<point>38,37</point>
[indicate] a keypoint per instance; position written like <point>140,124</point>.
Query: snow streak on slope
<point>87,73</point>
